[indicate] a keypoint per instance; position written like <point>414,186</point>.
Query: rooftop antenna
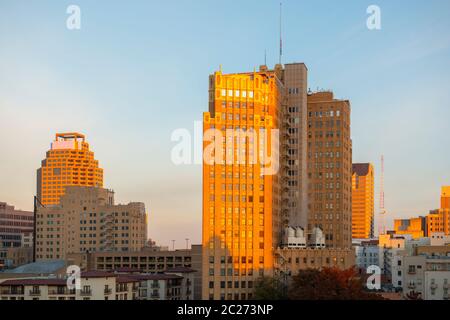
<point>281,36</point>
<point>381,227</point>
<point>265,57</point>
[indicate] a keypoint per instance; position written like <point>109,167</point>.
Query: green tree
<point>268,288</point>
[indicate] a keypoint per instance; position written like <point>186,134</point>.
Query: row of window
<point>229,284</point>
<point>320,114</point>
<point>237,93</point>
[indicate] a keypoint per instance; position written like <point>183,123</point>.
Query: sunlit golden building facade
<point>439,220</point>
<point>363,204</point>
<point>445,197</point>
<point>69,162</point>
<point>241,202</point>
<point>416,227</point>
<point>246,207</point>
<point>330,169</point>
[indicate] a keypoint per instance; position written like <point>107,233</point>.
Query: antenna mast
<point>281,36</point>
<point>381,227</point>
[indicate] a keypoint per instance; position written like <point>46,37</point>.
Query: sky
<point>138,70</point>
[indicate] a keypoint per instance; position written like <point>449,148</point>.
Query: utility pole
<point>382,214</point>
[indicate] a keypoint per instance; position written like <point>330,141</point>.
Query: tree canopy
<point>329,284</point>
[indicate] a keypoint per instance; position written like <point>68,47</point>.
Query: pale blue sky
<point>137,70</point>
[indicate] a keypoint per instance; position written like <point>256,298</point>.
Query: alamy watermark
<point>238,146</point>
<point>374,280</point>
<point>373,22</point>
<point>73,277</point>
<point>73,22</point>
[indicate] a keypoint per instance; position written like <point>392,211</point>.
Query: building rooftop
<point>40,267</point>
<point>70,135</point>
<point>127,270</point>
<point>97,274</point>
<point>180,270</point>
<point>126,279</point>
<point>34,282</point>
<point>156,276</point>
<point>361,169</point>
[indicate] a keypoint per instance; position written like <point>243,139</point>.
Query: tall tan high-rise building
<point>87,220</point>
<point>363,202</point>
<point>330,169</point>
<point>245,204</point>
<point>293,152</point>
<point>69,162</point>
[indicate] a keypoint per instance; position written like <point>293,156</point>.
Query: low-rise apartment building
<point>94,286</point>
<point>176,284</point>
<point>427,275</point>
<point>291,260</point>
<point>148,260</point>
<point>160,287</point>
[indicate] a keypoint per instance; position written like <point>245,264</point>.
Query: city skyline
<point>131,114</point>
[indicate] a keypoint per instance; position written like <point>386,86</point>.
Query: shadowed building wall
<point>330,169</point>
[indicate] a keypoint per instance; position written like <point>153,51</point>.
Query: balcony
<point>107,291</point>
<point>412,286</point>
<point>86,293</point>
<point>35,292</point>
<point>63,291</point>
<point>433,286</point>
<point>11,292</point>
<point>154,295</point>
<point>155,286</point>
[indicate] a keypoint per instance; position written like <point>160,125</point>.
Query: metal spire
<point>381,227</point>
<point>281,35</point>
